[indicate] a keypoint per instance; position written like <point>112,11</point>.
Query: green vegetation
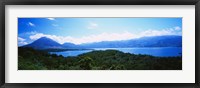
<point>30,59</point>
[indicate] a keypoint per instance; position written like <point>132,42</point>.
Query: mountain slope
<point>44,43</point>
<point>70,45</point>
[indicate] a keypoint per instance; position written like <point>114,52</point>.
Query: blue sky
<point>87,30</point>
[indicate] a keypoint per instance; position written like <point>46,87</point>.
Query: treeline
<point>30,59</point>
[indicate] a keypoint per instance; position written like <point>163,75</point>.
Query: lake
<point>154,51</point>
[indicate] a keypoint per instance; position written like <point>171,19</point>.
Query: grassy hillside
<point>30,59</point>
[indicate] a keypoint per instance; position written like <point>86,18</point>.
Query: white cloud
<point>51,18</point>
<point>106,36</point>
<point>31,24</point>
<point>92,25</point>
<point>21,41</point>
<point>169,31</point>
<point>85,39</point>
<point>59,39</point>
<point>177,28</point>
<point>156,33</point>
<point>32,32</point>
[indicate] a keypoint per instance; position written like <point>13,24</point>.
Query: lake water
<point>154,51</point>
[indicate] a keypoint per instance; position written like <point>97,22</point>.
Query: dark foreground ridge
<point>30,59</point>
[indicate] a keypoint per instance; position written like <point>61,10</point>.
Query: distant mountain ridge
<point>153,41</point>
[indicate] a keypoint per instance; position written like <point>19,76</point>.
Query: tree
<point>86,63</point>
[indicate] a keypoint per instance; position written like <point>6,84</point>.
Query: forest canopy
<point>31,59</point>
